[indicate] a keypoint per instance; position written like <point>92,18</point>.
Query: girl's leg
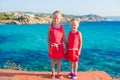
<point>52,66</point>
<point>70,75</point>
<point>75,67</point>
<point>59,65</point>
<point>71,66</point>
<point>75,70</point>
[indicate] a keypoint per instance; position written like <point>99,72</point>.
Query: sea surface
<point>26,45</point>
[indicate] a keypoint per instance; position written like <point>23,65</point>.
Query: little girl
<point>56,37</point>
<point>74,45</point>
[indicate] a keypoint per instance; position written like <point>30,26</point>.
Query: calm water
<point>27,45</point>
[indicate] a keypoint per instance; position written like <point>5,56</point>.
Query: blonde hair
<point>75,19</point>
<point>57,12</point>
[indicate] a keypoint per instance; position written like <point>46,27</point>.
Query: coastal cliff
<point>42,18</point>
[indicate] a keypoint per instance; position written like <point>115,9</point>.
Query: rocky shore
<point>42,18</point>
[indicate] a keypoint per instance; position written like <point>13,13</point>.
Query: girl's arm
<point>48,38</point>
<point>80,41</point>
<point>64,40</point>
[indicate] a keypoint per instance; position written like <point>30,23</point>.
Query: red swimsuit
<point>73,45</point>
<point>56,46</point>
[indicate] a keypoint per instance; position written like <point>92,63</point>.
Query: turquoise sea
<point>27,45</point>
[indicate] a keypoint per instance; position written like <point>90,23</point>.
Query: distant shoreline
<point>42,18</point>
<point>114,18</point>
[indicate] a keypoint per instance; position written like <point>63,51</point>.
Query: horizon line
<point>63,13</point>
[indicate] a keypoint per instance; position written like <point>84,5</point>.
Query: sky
<point>72,7</point>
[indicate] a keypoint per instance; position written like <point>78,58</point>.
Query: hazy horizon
<point>101,7</point>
